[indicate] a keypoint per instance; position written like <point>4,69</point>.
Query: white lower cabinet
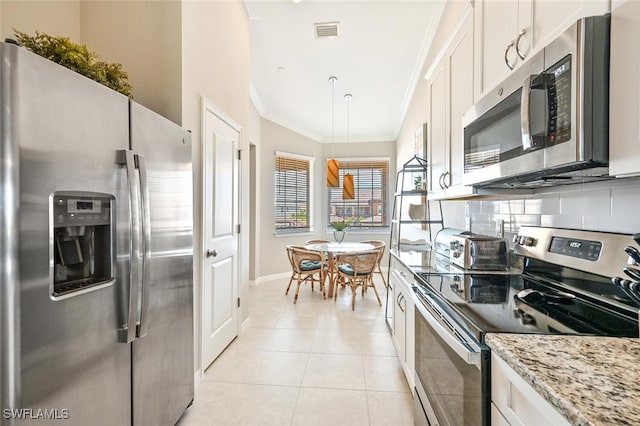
<point>497,419</point>
<point>514,402</point>
<point>403,317</point>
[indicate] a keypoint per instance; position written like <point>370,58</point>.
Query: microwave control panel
<point>559,102</point>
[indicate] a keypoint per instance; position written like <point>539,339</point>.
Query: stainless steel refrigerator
<point>96,249</point>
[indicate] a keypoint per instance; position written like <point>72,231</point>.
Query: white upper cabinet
<point>624,103</point>
<point>460,73</point>
<point>503,39</point>
<point>437,127</point>
<point>508,32</point>
<point>450,83</point>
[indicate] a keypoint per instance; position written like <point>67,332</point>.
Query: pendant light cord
<point>348,97</point>
<point>333,80</point>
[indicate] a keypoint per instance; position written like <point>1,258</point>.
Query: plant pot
<point>416,211</point>
<point>339,236</point>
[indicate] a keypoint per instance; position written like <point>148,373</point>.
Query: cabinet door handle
<point>518,51</point>
<point>441,181</point>
<point>506,56</point>
<point>399,305</point>
<point>446,182</point>
<point>212,253</point>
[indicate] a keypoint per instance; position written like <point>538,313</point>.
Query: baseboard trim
<point>245,325</point>
<point>272,277</point>
<point>197,378</point>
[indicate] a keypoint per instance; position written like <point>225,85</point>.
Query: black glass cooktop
<point>534,302</point>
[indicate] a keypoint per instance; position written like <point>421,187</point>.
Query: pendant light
<point>348,191</point>
<point>333,167</point>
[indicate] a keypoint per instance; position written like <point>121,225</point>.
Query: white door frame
<point>207,105</point>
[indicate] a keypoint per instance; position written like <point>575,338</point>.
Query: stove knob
<point>526,241</point>
<point>527,319</point>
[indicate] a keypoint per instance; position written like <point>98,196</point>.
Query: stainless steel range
<point>568,282</point>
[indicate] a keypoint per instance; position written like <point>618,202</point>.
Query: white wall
<point>273,257</point>
<point>359,150</point>
<point>418,111</point>
<point>145,37</point>
<point>272,249</point>
<point>57,18</point>
<point>254,193</point>
<point>215,65</point>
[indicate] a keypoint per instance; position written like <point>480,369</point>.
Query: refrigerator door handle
<point>10,284</point>
<point>127,334</point>
<point>143,325</point>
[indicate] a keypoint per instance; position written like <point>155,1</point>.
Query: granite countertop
<point>589,380</point>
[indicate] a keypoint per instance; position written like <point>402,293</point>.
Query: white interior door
<point>220,311</point>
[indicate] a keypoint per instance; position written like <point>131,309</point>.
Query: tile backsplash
<point>611,206</point>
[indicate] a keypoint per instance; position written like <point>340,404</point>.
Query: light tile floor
<point>313,363</point>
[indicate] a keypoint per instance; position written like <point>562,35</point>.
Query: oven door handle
<point>467,351</point>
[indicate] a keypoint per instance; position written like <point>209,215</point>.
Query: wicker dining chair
<point>379,246</point>
<point>356,270</point>
<point>326,256</point>
<point>306,266</point>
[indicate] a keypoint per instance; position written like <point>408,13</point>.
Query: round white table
<point>333,248</point>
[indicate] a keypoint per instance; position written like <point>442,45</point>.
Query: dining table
<point>333,248</point>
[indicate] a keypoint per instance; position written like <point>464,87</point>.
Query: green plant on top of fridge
<point>78,58</point>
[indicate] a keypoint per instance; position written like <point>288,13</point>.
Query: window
<point>369,208</point>
<point>292,193</point>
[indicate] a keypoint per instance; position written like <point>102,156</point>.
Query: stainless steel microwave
<point>548,123</point>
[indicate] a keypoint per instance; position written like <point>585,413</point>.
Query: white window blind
<point>369,208</point>
<point>292,191</point>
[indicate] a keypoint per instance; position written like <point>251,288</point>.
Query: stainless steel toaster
<point>443,238</point>
<point>479,252</point>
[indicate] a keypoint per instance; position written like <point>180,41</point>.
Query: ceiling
<point>377,57</point>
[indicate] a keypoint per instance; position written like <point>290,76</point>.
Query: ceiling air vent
<point>326,29</point>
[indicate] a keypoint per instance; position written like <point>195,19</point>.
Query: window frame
<point>283,232</point>
<point>385,194</point>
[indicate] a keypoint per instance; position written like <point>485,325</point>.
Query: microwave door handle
<point>525,114</point>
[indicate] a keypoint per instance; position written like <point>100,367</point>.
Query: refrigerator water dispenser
<point>82,249</point>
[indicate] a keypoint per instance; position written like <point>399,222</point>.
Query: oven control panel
<point>600,253</point>
<point>574,247</point>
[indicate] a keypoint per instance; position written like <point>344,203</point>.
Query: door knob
<point>212,253</point>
